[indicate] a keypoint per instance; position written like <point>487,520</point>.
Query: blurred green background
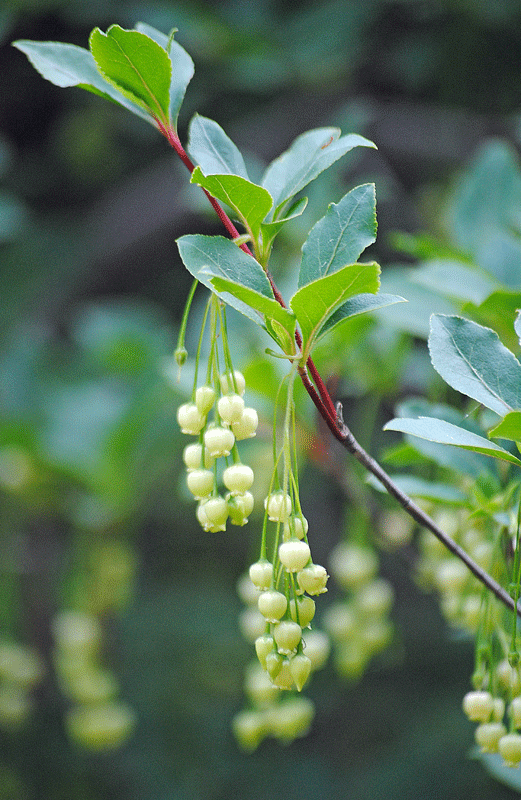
<point>91,202</point>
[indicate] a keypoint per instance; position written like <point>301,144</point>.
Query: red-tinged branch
<point>333,415</point>
<point>319,383</point>
<point>175,142</point>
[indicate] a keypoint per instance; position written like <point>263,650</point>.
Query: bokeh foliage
<point>92,289</point>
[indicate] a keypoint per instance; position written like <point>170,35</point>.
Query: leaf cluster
<point>147,73</point>
<point>475,279</point>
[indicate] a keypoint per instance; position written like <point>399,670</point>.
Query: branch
<point>175,142</point>
<point>334,420</point>
<point>346,438</point>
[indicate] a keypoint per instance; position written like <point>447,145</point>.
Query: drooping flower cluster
<point>279,591</point>
<point>495,701</point>
<point>288,651</point>
<point>358,624</point>
<point>21,670</point>
<point>96,719</point>
<point>461,595</point>
<point>218,417</point>
<point>217,439</point>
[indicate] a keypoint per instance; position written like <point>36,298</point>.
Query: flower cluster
<point>461,595</point>
<point>359,623</point>
<point>21,670</point>
<point>288,651</point>
<point>488,710</point>
<point>495,701</point>
<point>106,582</point>
<point>216,440</point>
<point>279,595</point>
<point>97,719</point>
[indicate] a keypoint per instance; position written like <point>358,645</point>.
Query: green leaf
<point>269,230</point>
<point>263,376</point>
<point>498,312</point>
<point>208,257</point>
<point>422,246</point>
<point>472,360</point>
<point>508,428</point>
<point>455,458</point>
<point>182,66</point>
<point>68,65</point>
<point>340,237</point>
<point>517,325</point>
<point>250,202</point>
<point>497,768</point>
<point>420,407</point>
<point>459,460</point>
<point>501,256</point>
<point>136,66</point>
<point>455,279</point>
<point>404,454</point>
<point>314,303</point>
<point>416,487</point>
<point>266,307</point>
<point>213,150</point>
<point>483,207</point>
<point>438,430</point>
<point>309,155</point>
<point>360,304</point>
<point>484,213</point>
<point>413,316</point>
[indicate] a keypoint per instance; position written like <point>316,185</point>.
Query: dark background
<point>91,203</point>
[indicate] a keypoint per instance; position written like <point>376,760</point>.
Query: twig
<point>344,435</point>
<point>333,417</point>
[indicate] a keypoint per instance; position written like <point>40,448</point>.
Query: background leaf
<point>428,490</point>
<point>471,359</point>
<point>482,213</point>
<point>508,428</point>
<point>455,279</point>
<point>213,150</point>
<point>460,461</point>
<point>136,65</point>
<point>250,202</point>
<point>309,155</point>
<point>69,65</point>
<point>182,66</point>
<point>340,237</point>
<point>498,311</point>
<point>413,316</point>
<point>438,430</point>
<point>517,325</point>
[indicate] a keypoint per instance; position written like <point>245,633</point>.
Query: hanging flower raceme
<point>216,415</point>
<point>21,670</point>
<point>494,703</point>
<point>279,592</point>
<point>358,623</point>
<point>96,718</point>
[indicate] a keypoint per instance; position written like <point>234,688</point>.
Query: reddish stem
<point>175,142</point>
<point>327,402</point>
<point>333,416</point>
<point>327,406</point>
